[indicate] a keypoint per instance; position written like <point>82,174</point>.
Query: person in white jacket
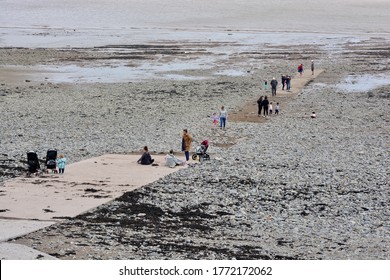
<point>171,161</point>
<point>222,117</point>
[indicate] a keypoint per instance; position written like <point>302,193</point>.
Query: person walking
<point>288,82</point>
<point>274,84</point>
<point>283,81</point>
<point>265,106</point>
<point>300,69</point>
<point>222,117</point>
<point>312,67</point>
<point>186,144</point>
<point>61,163</point>
<point>259,105</point>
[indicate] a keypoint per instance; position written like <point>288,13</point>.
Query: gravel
<point>290,188</point>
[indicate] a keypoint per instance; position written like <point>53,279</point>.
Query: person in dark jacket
<point>265,106</point>
<point>283,81</point>
<point>288,82</point>
<point>312,67</point>
<point>259,105</point>
<point>146,158</point>
<point>274,84</point>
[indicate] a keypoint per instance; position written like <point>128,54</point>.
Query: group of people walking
<point>267,107</point>
<point>286,84</point>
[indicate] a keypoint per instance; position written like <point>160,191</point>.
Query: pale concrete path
<point>29,204</point>
<point>248,113</point>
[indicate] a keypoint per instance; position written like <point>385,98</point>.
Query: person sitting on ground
<point>146,158</point>
<point>171,161</point>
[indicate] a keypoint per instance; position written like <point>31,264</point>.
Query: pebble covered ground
<point>290,188</point>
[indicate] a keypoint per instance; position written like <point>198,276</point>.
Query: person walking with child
<point>186,144</point>
<point>222,117</point>
<point>61,163</point>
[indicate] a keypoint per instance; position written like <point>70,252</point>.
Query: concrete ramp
<point>83,186</point>
<point>28,204</point>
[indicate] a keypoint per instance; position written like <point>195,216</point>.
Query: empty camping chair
<point>32,163</point>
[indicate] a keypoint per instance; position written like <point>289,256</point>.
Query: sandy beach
<point>282,187</point>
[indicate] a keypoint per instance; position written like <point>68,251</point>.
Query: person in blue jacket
<point>61,163</point>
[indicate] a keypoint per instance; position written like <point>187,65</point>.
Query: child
<point>61,162</point>
<point>277,108</point>
<point>215,118</point>
<point>270,108</point>
<point>265,85</point>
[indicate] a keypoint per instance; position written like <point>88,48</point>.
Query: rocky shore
<point>288,188</point>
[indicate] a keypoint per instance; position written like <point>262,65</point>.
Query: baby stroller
<point>51,157</point>
<point>33,163</point>
<point>200,151</point>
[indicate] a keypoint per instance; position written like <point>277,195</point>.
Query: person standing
<point>259,105</point>
<point>312,67</point>
<point>214,117</point>
<point>283,81</point>
<point>300,69</point>
<point>288,82</point>
<point>61,163</point>
<point>265,85</point>
<point>186,144</point>
<point>277,108</point>
<point>265,106</point>
<point>222,117</point>
<point>274,84</point>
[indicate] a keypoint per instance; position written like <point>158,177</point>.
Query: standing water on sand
<point>361,83</point>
